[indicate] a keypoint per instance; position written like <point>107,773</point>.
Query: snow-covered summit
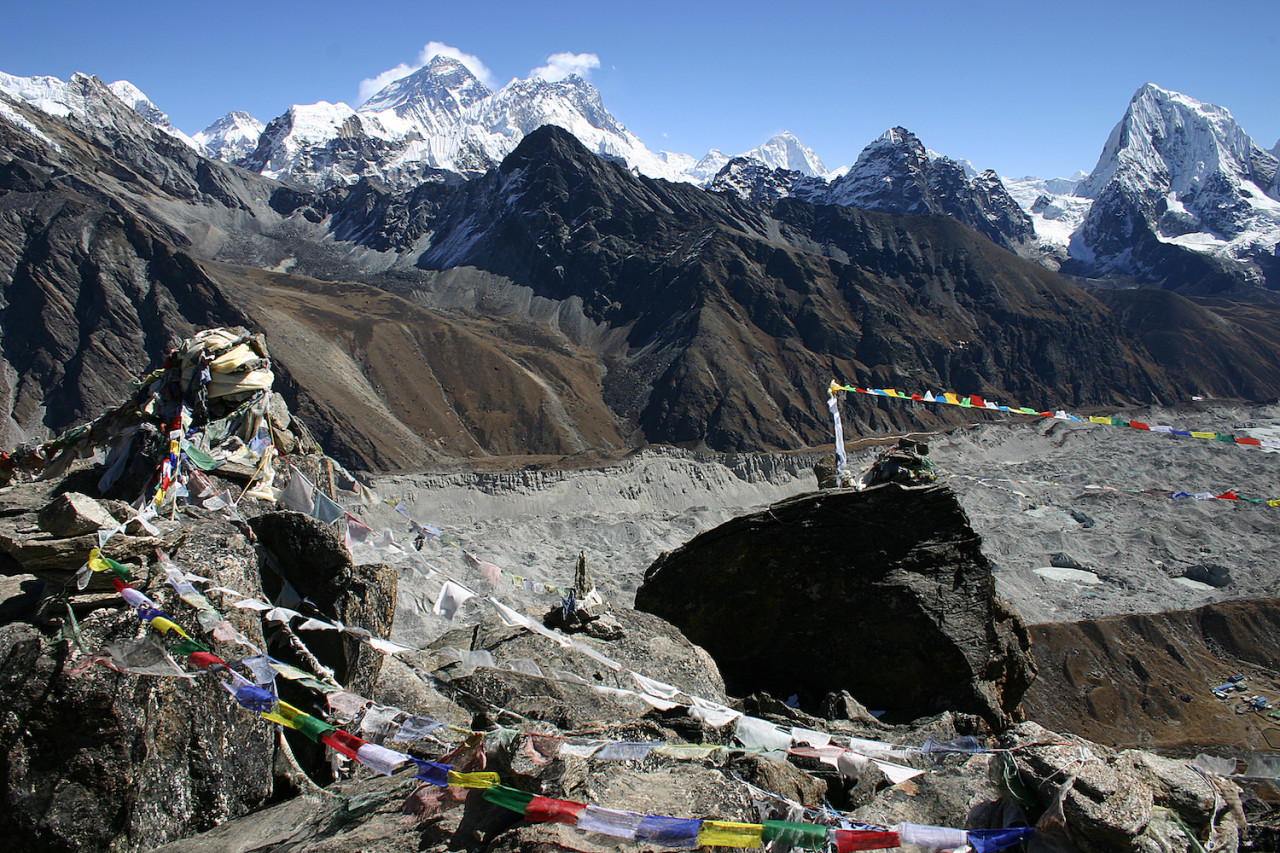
<point>230,138</point>
<point>134,98</point>
<point>433,98</point>
<point>441,117</point>
<point>1171,142</point>
<point>76,97</point>
<point>1180,172</point>
<point>58,98</point>
<point>784,151</point>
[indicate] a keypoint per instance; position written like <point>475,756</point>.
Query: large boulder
<point>883,592</point>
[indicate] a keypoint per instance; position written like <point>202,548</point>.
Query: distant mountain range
<point>424,299</point>
<point>1180,197</point>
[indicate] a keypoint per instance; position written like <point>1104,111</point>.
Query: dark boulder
<point>1210,573</point>
<point>883,592</point>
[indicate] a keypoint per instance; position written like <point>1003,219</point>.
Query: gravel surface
<point>1060,507</point>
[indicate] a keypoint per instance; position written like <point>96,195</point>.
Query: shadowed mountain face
<point>557,305</point>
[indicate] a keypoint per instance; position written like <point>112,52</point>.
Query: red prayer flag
<point>1138,425</point>
<point>917,398</point>
<point>340,741</point>
<point>204,660</point>
<point>977,401</point>
<point>1228,495</point>
<point>547,810</point>
<point>1252,441</point>
<point>848,840</point>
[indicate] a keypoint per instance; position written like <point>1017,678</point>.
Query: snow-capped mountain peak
<point>434,96</point>
<point>230,138</point>
<point>784,151</point>
<point>1173,141</point>
<point>704,170</point>
<point>1178,172</point>
<point>136,100</point>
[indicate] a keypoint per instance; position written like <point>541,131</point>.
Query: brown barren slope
<point>401,386</point>
<point>1146,679</point>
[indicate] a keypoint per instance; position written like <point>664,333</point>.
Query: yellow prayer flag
<point>288,712</point>
<point>720,833</point>
<point>275,718</point>
<point>1204,434</point>
<point>473,780</point>
<point>834,387</point>
<point>164,626</point>
<point>1094,419</point>
<point>1273,503</point>
<point>951,398</point>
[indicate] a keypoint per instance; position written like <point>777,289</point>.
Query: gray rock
<point>310,556</point>
<point>1089,801</point>
<point>105,760</point>
<point>74,514</point>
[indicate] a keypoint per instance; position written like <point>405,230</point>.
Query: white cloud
<point>561,65</point>
<point>372,85</point>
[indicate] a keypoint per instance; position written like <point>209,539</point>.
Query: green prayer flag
<point>187,646</point>
<point>311,726</point>
<point>119,569</point>
<point>509,798</point>
<point>200,459</point>
<point>809,836</point>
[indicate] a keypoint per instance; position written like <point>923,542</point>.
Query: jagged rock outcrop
<point>895,174</point>
<point>883,592</point>
<point>309,557</point>
<point>764,184</point>
<point>103,760</point>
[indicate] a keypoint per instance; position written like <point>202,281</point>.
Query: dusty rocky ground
<point>1039,492</point>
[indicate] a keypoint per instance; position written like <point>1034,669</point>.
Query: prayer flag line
<point>974,401</point>
<point>669,831</point>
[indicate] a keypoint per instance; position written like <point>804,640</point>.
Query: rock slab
<point>833,590</point>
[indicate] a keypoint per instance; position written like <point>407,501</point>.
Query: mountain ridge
<point>607,310</point>
<point>1201,216</point>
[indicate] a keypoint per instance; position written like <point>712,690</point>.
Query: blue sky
<point>1022,87</point>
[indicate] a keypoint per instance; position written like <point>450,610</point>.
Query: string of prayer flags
<point>974,401</point>
<point>1229,495</point>
<point>659,830</point>
<point>99,563</point>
